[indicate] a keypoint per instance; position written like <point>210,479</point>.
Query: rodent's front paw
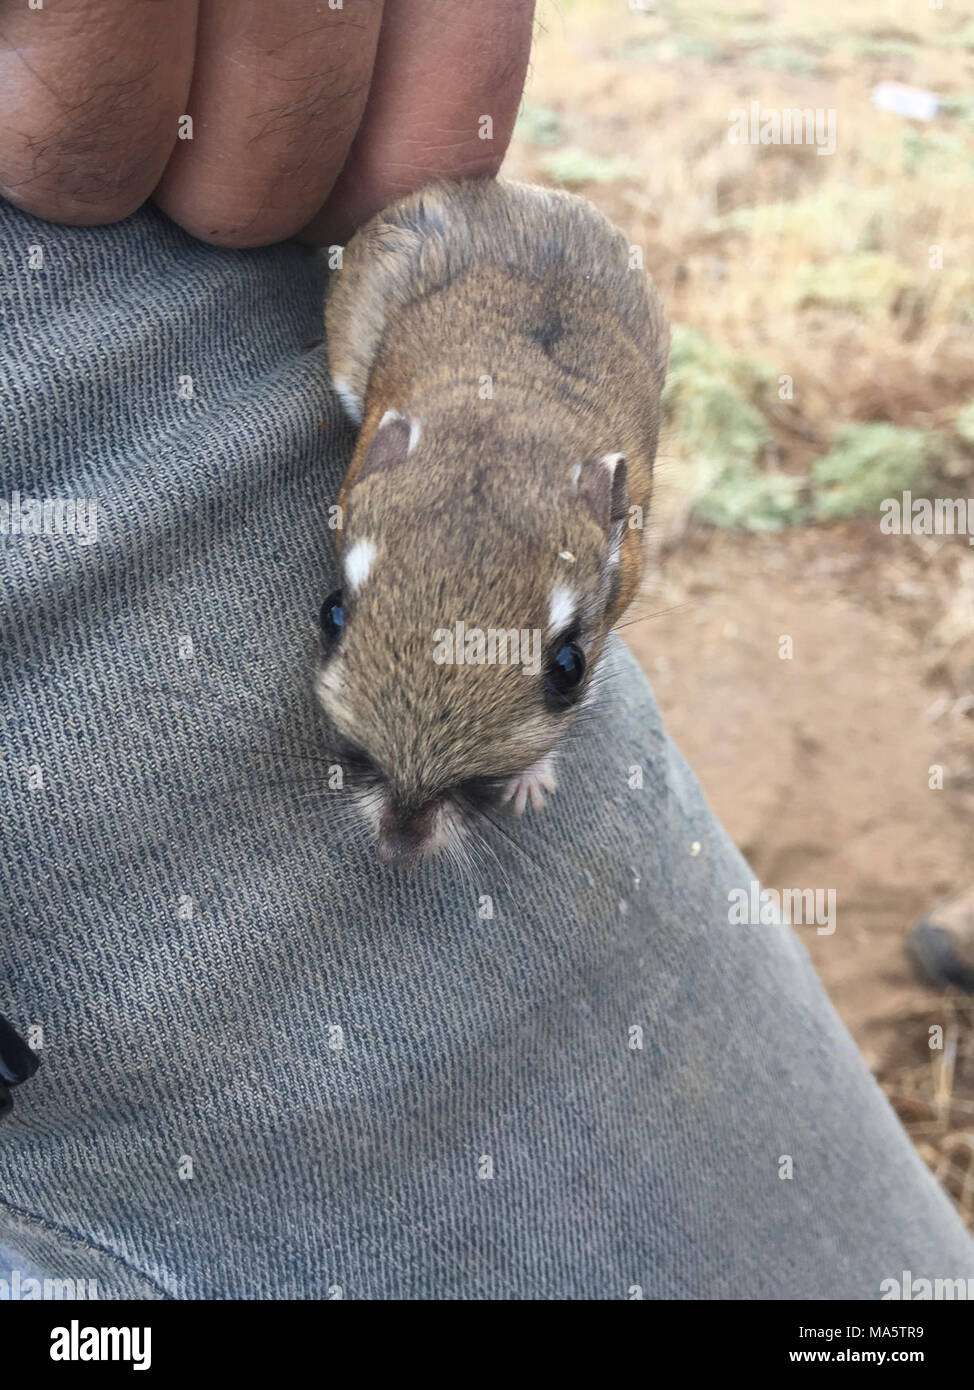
<point>533,782</point>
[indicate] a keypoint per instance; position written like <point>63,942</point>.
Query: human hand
<point>307,116</point>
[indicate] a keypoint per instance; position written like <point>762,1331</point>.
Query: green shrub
<point>747,498</point>
<point>711,403</point>
<point>867,463</point>
<point>784,58</point>
<point>539,124</point>
<point>936,155</point>
<point>965,423</point>
<point>868,284</point>
<point>716,409</point>
<point>960,107</point>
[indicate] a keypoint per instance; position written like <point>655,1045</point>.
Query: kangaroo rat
<point>505,364</point>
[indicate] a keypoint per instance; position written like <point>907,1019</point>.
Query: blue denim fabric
<point>272,1067</point>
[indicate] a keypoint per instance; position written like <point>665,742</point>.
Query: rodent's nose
<point>404,832</point>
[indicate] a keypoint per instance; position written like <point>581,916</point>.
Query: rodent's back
<point>457,267</point>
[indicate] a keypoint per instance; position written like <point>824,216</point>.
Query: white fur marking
<point>358,562</point>
<point>329,690</point>
<point>348,398</point>
<point>611,462</point>
<point>564,606</point>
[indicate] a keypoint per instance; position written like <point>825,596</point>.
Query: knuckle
<point>236,218</point>
<point>96,161</point>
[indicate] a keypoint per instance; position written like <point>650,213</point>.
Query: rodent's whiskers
<point>274,758</point>
<point>482,812</point>
<point>646,617</point>
<point>480,840</point>
<point>460,852</point>
<point>476,843</point>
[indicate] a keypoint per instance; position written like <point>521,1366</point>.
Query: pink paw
<point>532,783</point>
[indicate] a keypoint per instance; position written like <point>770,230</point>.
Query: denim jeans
<point>272,1067</point>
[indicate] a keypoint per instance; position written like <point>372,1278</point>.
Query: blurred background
<point>823,360</point>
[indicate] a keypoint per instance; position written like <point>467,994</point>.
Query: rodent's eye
<point>563,680</point>
<point>332,617</point>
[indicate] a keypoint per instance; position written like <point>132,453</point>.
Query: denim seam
<point>54,1228</point>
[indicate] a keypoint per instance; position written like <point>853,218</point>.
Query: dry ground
<point>820,266</point>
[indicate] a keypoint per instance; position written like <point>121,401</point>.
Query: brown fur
<point>533,289</point>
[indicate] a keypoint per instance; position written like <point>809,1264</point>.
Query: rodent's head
<point>468,624</point>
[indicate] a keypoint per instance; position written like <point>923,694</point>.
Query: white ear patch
<point>358,562</point>
<point>413,426</point>
<point>348,398</point>
<point>564,606</point>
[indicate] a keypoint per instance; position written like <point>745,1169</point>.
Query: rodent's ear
<point>603,486</point>
<point>391,444</point>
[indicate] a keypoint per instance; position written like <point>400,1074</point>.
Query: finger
<point>91,92</point>
<point>443,101</point>
<point>278,92</point>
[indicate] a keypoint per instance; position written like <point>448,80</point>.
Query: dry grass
<point>817,264</point>
<point>933,1096</point>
